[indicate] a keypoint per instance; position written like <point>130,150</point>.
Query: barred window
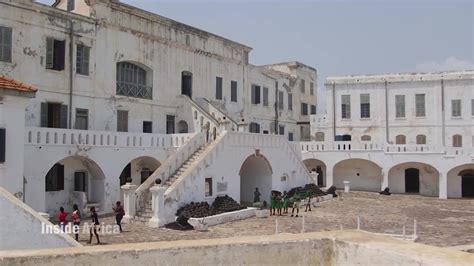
<point>82,59</point>
<point>420,105</point>
<point>5,44</point>
<point>365,105</point>
<point>456,108</point>
<point>346,106</point>
<point>132,81</point>
<point>399,105</point>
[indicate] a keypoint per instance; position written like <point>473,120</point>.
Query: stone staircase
<point>183,167</point>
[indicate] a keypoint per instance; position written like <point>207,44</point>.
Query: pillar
<point>329,176</point>
<point>129,201</point>
<point>384,179</point>
<point>443,185</point>
<point>157,206</point>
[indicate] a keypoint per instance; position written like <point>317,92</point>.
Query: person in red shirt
<point>62,217</point>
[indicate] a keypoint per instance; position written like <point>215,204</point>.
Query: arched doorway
<point>182,127</point>
<point>460,181</point>
<point>138,170</point>
<point>414,177</point>
<point>74,180</point>
<point>318,167</point>
<point>255,172</point>
<point>412,180</point>
<point>363,174</point>
<point>187,83</point>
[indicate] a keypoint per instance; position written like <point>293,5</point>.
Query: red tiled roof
<point>11,84</point>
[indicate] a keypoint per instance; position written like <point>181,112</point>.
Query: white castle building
<point>121,96</point>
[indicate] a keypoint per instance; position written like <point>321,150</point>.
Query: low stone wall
<point>223,217</point>
<point>321,248</point>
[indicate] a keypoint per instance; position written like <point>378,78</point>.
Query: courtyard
<point>440,222</point>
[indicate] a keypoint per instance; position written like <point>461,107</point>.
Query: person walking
<point>308,202</point>
<point>76,220</point>
<point>119,214</point>
<point>95,225</point>
<point>296,205</point>
<point>62,217</point>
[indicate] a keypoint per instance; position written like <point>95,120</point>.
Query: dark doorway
<point>320,176</point>
<point>412,180</point>
<point>467,185</point>
<point>126,175</point>
<point>187,83</point>
<point>170,124</point>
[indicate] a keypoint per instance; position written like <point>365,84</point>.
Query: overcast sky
<point>338,37</point>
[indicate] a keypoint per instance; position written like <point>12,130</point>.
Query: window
<point>54,115</point>
<point>70,5</point>
<point>55,53</point>
<point>302,86</point>
<point>147,127</point>
<point>400,139</point>
<point>82,119</point>
<point>233,91</point>
<point>290,101</point>
<point>5,44</point>
<point>55,178</point>
<point>265,96</point>
<point>254,128</point>
<point>290,136</point>
<point>82,59</point>
<point>420,139</point>
<point>456,108</point>
<point>313,109</point>
<point>311,88</point>
<point>345,106</point>
<point>3,135</point>
<point>399,106</point>
<point>281,129</point>
<point>472,107</point>
<point>80,181</point>
<point>256,94</point>
<point>365,105</point>
<point>280,100</point>
<point>208,187</point>
<point>319,136</point>
<point>304,109</point>
<point>420,105</point>
<point>170,121</point>
<point>365,138</point>
<point>132,81</point>
<point>457,141</point>
<point>218,88</point>
<point>122,121</point>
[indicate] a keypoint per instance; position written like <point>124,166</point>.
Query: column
<point>157,206</point>
<point>329,176</point>
<point>128,201</point>
<point>443,185</point>
<point>384,179</point>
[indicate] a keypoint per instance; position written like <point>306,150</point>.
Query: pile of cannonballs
<point>309,189</point>
<point>202,209</point>
<point>226,204</point>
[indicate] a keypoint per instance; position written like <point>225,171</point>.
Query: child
<point>296,205</point>
<point>76,219</point>
<point>279,203</point>
<point>308,203</point>
<point>95,224</point>
<point>272,203</point>
<point>119,213</point>
<point>62,217</point>
<point>285,202</point>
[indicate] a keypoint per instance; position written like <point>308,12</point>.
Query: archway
<point>182,127</point>
<point>255,172</point>
<point>74,180</point>
<point>414,177</point>
<point>318,167</point>
<point>461,181</point>
<point>138,170</point>
<point>364,175</point>
<point>187,83</point>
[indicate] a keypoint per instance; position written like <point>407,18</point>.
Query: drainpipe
<point>71,72</point>
<point>443,127</point>
<point>387,135</point>
<point>334,109</point>
<point>276,109</point>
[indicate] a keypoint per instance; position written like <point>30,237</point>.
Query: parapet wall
<point>322,248</point>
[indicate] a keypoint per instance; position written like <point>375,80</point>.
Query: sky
<point>338,37</point>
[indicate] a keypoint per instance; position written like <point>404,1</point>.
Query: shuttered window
<point>122,121</point>
<point>280,100</point>
<point>5,44</point>
<point>304,109</point>
<point>3,136</point>
<point>302,86</point>
<point>80,181</point>
<point>255,94</point>
<point>457,141</point>
<point>456,108</point>
<point>313,109</point>
<point>420,139</point>
<point>82,119</point>
<point>265,96</point>
<point>254,128</point>
<point>82,59</point>
<point>420,105</point>
<point>290,101</point>
<point>55,54</point>
<point>400,139</point>
<point>311,88</point>
<point>218,88</point>
<point>54,115</point>
<point>345,106</point>
<point>365,105</point>
<point>233,91</point>
<point>400,106</point>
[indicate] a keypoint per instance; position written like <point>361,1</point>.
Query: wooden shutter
<point>49,53</point>
<point>60,176</point>
<point>2,145</point>
<point>44,115</point>
<point>63,116</point>
<point>85,60</point>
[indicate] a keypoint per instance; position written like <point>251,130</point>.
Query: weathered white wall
<point>255,172</point>
<point>362,175</point>
<point>21,227</point>
<point>429,179</point>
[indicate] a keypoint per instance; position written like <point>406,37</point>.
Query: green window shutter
<point>44,115</point>
<point>49,53</point>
